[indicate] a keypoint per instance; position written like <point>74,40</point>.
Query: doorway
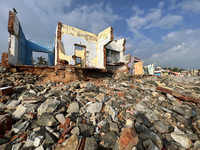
<point>80,55</point>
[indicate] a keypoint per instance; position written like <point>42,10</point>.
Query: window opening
<point>39,58</point>
<point>78,60</point>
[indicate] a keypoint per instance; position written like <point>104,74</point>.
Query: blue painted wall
<point>26,48</point>
<point>39,47</point>
<point>21,47</point>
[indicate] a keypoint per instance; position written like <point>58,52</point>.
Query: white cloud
<point>178,48</point>
<point>153,19</point>
<point>185,55</point>
<point>186,6</point>
<point>190,6</point>
<point>137,10</point>
<point>166,22</point>
<point>135,22</point>
<point>154,15</point>
<point>161,4</point>
<point>39,18</point>
<point>93,18</point>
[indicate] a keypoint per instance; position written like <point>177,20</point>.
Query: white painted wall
<point>13,40</point>
<point>69,47</point>
<point>118,46</point>
<point>55,49</point>
<point>13,55</point>
<point>100,49</point>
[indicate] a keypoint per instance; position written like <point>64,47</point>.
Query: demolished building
<point>115,112</point>
<point>72,46</point>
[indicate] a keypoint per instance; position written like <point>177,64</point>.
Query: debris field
<point>118,112</point>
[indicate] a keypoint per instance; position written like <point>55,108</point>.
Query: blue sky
<point>165,32</point>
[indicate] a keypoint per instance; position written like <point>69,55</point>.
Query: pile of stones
<point>10,76</point>
<point>119,112</point>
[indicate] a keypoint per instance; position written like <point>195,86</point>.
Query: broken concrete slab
<point>95,107</point>
<point>21,110</point>
<point>46,119</point>
<point>13,104</point>
<point>73,108</point>
<point>48,106</point>
<point>20,127</point>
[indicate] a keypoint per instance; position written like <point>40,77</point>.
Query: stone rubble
<point>121,112</point>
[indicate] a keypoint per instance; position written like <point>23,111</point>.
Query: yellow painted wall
<point>95,61</point>
<point>88,36</point>
<point>138,68</point>
<point>104,34</point>
<point>80,53</point>
<point>64,57</point>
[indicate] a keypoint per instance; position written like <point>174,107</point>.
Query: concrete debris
<point>94,108</point>
<point>20,127</point>
<point>73,108</point>
<point>38,141</point>
<point>119,112</point>
<point>148,145</point>
<point>48,106</point>
<point>181,138</point>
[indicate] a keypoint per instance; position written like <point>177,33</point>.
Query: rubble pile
<point>12,77</point>
<point>119,113</point>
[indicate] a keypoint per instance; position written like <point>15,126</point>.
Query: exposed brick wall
<point>59,34</point>
<point>112,36</point>
<point>124,45</point>
<point>4,59</point>
<point>104,57</point>
<point>85,58</point>
<point>11,22</point>
<point>59,37</point>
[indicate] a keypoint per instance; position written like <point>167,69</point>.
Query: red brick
<point>82,145</point>
<point>67,122</point>
<point>4,60</point>
<point>128,139</point>
<point>5,90</point>
<point>120,94</point>
<point>103,108</point>
<point>14,138</point>
<point>61,140</point>
<point>111,94</point>
<point>66,131</point>
<point>6,123</point>
<point>119,116</point>
<point>84,121</point>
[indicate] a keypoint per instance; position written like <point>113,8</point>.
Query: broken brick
<point>128,139</point>
<point>6,123</point>
<point>66,131</point>
<point>120,94</point>
<point>6,90</point>
<point>67,122</point>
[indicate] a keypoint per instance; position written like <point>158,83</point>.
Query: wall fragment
<point>138,68</point>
